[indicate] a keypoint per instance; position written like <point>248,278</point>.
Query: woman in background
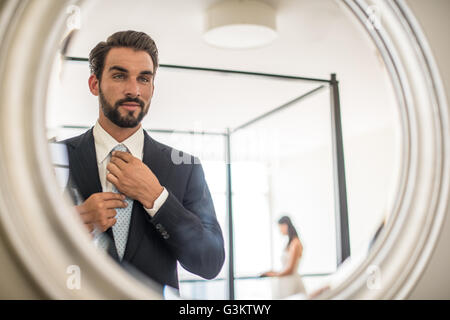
<point>288,281</point>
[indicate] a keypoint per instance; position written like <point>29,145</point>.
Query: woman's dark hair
<point>292,233</point>
<point>128,39</point>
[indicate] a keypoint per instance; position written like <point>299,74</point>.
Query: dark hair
<point>292,233</point>
<point>128,39</point>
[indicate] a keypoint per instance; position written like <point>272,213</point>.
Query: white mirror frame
<point>39,242</point>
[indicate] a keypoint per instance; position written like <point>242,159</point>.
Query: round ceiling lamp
<point>239,24</point>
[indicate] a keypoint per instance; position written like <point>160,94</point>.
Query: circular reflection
<point>422,163</point>
<point>265,159</point>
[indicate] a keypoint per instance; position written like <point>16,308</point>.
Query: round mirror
<point>317,150</point>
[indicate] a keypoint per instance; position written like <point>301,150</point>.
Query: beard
<point>113,114</point>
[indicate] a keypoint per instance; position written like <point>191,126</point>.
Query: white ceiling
<point>316,38</point>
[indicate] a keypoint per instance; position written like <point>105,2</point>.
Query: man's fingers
<point>111,196</point>
<point>112,204</point>
<point>89,226</point>
<point>114,180</point>
<point>106,220</point>
<point>114,169</point>
<point>125,156</point>
<point>86,218</point>
<point>80,209</point>
<point>111,222</point>
<point>118,162</point>
<point>110,213</point>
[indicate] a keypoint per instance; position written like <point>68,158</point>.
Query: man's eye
<point>118,76</point>
<point>144,79</point>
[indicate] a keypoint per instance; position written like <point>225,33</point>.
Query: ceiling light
<point>240,24</point>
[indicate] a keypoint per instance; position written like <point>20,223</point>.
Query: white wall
<point>303,186</point>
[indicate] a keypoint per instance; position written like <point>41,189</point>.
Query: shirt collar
<point>104,143</point>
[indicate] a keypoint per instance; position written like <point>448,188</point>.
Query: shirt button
<point>158,226</point>
<point>166,236</point>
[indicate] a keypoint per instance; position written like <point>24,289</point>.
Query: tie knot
<point>120,147</point>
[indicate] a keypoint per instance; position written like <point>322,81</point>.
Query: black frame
<point>341,208</point>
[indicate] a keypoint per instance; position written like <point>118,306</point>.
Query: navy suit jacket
<point>184,229</point>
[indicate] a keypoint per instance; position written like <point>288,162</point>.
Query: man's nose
<point>132,88</point>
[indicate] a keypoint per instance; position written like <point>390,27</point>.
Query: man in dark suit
<point>151,201</point>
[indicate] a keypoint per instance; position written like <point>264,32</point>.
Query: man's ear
<point>94,84</point>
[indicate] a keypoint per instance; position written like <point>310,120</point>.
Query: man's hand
<point>133,178</point>
<point>99,210</point>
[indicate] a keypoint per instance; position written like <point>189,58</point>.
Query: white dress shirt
<point>104,144</point>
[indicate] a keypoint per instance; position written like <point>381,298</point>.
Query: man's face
<point>126,86</point>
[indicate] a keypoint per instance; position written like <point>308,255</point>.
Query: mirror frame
<point>40,241</point>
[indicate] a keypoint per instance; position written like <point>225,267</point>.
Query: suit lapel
<point>84,171</point>
<point>160,166</point>
<point>83,165</point>
<point>154,158</point>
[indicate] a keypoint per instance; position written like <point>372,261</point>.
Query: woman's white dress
<point>289,285</point>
